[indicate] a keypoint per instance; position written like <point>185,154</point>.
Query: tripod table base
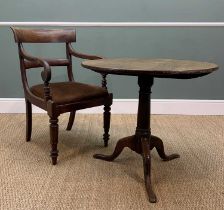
<point>141,146</point>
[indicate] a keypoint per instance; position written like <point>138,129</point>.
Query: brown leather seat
<point>70,92</point>
<point>61,97</point>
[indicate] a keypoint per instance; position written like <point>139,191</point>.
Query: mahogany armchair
<point>60,97</point>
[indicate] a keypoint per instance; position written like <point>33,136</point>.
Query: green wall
<point>205,44</point>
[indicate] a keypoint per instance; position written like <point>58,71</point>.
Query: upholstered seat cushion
<point>69,92</point>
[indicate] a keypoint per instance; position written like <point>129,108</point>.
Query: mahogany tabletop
<point>161,68</point>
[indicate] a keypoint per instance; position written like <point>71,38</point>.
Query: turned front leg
<point>106,124</point>
<point>54,139</point>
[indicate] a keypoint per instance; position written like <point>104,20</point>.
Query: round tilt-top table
<point>146,70</point>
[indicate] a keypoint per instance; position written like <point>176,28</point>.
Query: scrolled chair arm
<point>81,55</point>
<point>45,74</point>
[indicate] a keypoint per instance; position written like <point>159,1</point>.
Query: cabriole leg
<point>158,144</point>
<point>121,144</point>
<point>147,168</point>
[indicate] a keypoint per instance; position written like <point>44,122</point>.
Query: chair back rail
<point>44,35</point>
<point>27,61</point>
<point>51,62</point>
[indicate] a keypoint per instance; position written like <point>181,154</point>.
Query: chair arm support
<point>89,57</point>
<point>45,74</point>
<point>81,55</point>
<point>104,81</point>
